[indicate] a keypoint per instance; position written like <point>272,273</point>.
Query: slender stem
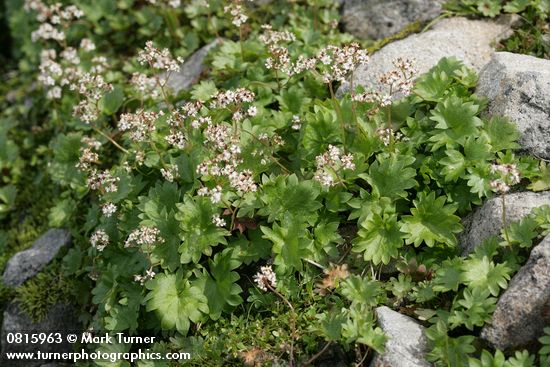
<point>504,223</point>
<point>314,264</point>
<point>292,322</point>
<point>273,159</point>
<point>316,355</point>
<point>353,103</point>
<point>110,139</point>
<point>278,81</point>
<point>339,114</point>
<point>241,42</point>
<point>363,359</point>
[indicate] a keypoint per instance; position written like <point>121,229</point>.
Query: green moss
<point>44,290</point>
<point>405,32</point>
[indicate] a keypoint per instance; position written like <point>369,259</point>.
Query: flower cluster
<point>140,124</point>
<point>58,71</point>
<point>159,59</point>
<point>215,193</point>
<point>146,86</point>
<point>225,163</point>
<point>92,86</point>
<point>51,17</point>
<point>296,122</point>
<point>144,236</point>
<point>265,278</point>
<point>88,156</point>
<point>400,79</point>
<point>336,63</point>
<point>108,209</point>
<point>508,176</point>
<point>142,279</point>
<point>217,221</point>
<point>99,240</point>
<point>330,163</point>
<point>234,99</point>
<point>232,96</point>
<point>170,173</point>
<point>171,3</point>
<point>386,134</point>
<point>102,181</point>
<point>237,12</point>
<point>280,56</point>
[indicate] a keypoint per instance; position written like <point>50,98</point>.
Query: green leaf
<point>362,291</point>
<point>379,238</point>
<point>66,150</point>
<point>124,315</point>
<point>521,359</point>
<point>250,249</point>
<point>360,327</point>
<point>391,177</point>
<point>330,324</point>
<point>489,8</point>
<point>176,301</point>
<point>516,6</point>
<point>545,341</point>
<point>435,84</point>
<point>484,274</point>
<point>204,90</point>
<point>542,182</point>
<point>111,102</point>
<point>454,165</point>
<point>456,120</point>
<point>455,351</point>
<point>198,232</point>
<point>520,233</point>
<point>478,180</point>
<point>291,243</point>
<point>293,99</point>
<point>431,221</point>
<point>474,309</point>
<point>7,199</point>
<point>61,213</point>
<point>288,195</point>
<point>477,150</point>
<point>220,286</point>
<point>326,238</point>
<point>502,133</point>
<point>449,276</point>
<point>322,128</point>
<point>488,360</point>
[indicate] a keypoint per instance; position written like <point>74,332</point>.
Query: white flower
<point>219,222</point>
<point>170,173</point>
<point>108,209</point>
<point>99,240</point>
<point>159,59</point>
<point>252,111</point>
<point>144,236</point>
<point>265,277</point>
<point>142,279</point>
<point>296,122</point>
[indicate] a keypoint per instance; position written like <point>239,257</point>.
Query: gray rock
<point>469,40</point>
<point>59,319</point>
<point>191,69</point>
<point>407,344</point>
<point>486,221</point>
<point>27,263</point>
<point>382,18</point>
<point>518,86</point>
<point>518,317</point>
